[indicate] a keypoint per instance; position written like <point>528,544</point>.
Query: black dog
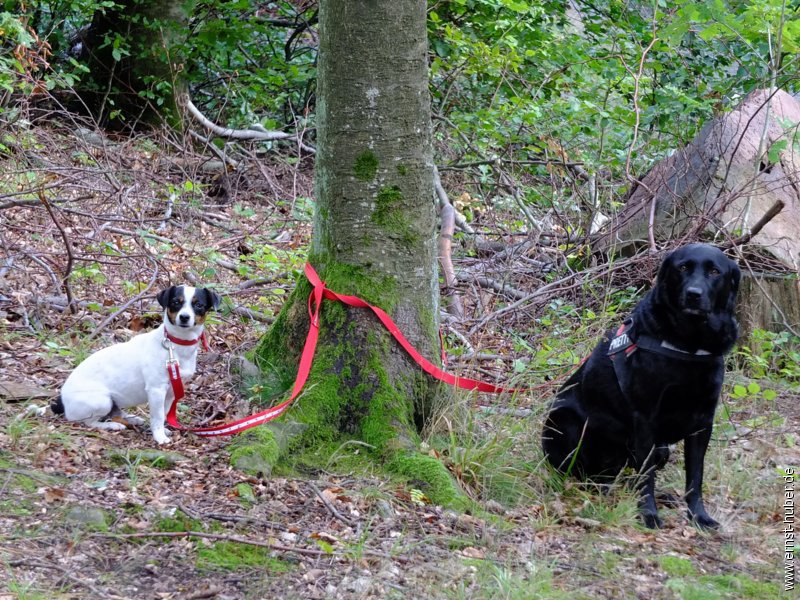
<point>652,383</point>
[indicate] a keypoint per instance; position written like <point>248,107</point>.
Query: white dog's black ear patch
<point>213,299</point>
<point>164,296</point>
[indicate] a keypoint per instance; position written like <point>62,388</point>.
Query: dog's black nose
<point>184,318</point>
<point>694,293</point>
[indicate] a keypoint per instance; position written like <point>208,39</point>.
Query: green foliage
<point>771,355</point>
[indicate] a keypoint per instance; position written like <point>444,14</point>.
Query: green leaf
<point>774,152</point>
<point>753,388</point>
<point>739,391</point>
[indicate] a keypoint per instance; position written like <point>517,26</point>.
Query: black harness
<point>628,340</point>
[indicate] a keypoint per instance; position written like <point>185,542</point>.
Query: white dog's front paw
<point>161,437</point>
<point>134,420</point>
<point>108,425</point>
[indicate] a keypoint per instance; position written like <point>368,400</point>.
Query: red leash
<point>319,292</point>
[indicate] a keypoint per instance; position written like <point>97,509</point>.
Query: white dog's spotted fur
<point>132,373</point>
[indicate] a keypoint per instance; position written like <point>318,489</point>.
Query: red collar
<point>180,342</point>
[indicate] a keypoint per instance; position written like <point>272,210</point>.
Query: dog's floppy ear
<point>213,299</point>
<point>163,297</point>
<point>735,277</point>
<point>663,270</point>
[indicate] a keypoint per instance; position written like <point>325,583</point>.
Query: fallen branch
<point>249,313</point>
<point>501,288</point>
<point>214,536</point>
<point>329,505</point>
<point>256,133</point>
<point>231,538</point>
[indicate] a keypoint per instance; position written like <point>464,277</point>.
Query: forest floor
<point>91,514</point>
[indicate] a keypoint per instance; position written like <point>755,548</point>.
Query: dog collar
<point>182,342</point>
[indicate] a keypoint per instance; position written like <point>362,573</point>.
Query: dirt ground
<point>91,514</point>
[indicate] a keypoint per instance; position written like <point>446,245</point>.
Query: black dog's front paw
<point>652,520</point>
<point>703,521</point>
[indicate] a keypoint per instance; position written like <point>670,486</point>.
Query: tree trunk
<point>374,237</point>
<point>768,301</point>
<point>134,73</point>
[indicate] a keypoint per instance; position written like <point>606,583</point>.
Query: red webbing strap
<point>319,292</point>
<point>174,374</point>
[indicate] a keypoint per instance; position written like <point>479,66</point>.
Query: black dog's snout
<point>694,293</point>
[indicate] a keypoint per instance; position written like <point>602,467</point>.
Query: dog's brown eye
<point>683,268</point>
<point>714,272</point>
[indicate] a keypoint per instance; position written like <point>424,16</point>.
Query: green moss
<point>431,476</point>
<point>390,216</point>
<point>677,566</point>
<point>366,166</point>
<point>180,521</point>
<point>245,493</point>
<point>742,586</point>
<point>256,451</point>
<point>402,169</point>
<point>231,556</point>
<point>349,395</point>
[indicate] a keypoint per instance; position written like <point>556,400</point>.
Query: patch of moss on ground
<point>180,521</point>
<point>677,566</point>
<point>16,508</point>
<point>431,476</point>
<point>19,479</point>
<point>231,556</point>
<point>255,451</point>
<point>366,166</point>
<point>742,586</point>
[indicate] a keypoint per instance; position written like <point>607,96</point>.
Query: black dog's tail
<point>57,406</point>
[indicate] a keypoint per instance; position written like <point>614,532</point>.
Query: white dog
<point>135,372</point>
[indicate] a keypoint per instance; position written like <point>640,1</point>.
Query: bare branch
<point>255,133</point>
<point>68,247</point>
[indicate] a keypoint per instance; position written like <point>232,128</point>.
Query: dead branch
<point>226,518</point>
<point>329,505</point>
<point>251,283</point>
<point>255,133</point>
<point>456,307</point>
<point>765,218</point>
<point>501,288</point>
<point>441,195</point>
<point>213,536</point>
<point>68,247</point>
<point>249,313</point>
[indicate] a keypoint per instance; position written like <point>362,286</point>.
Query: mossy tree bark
<point>134,71</point>
<point>374,237</point>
